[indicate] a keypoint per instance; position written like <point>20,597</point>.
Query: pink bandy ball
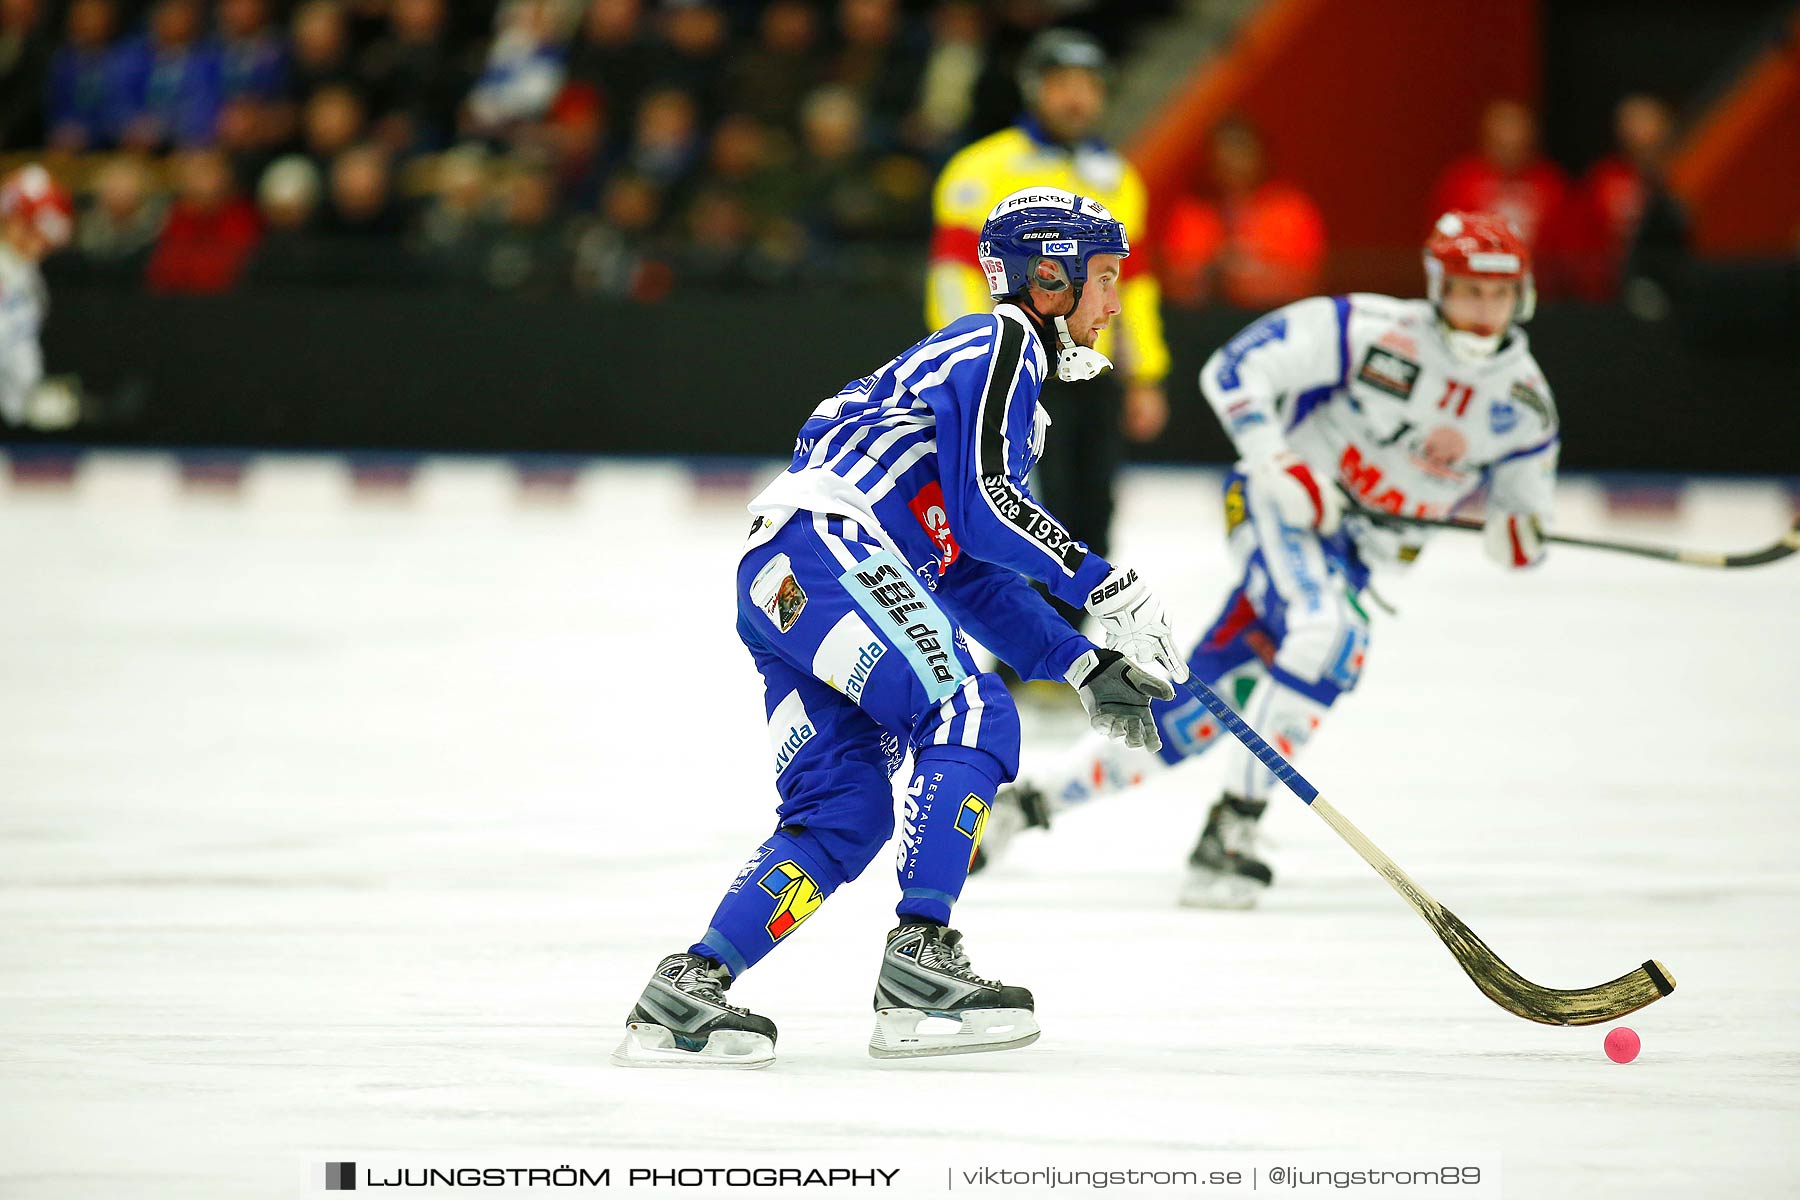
<point>1622,1045</point>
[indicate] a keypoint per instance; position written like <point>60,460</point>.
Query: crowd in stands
<point>630,147</point>
<point>611,146</point>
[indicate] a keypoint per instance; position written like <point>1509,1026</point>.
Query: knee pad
<point>847,837</point>
<point>1286,715</point>
<point>844,811</point>
<point>1188,727</point>
<point>1324,655</point>
<point>980,716</point>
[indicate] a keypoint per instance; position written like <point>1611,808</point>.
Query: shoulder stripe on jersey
<point>914,425</point>
<point>900,467</point>
<point>851,427</point>
<point>898,417</point>
<point>945,366</point>
<point>1002,368</point>
<point>906,370</point>
<point>898,456</point>
<point>1310,399</point>
<point>1010,505</point>
<point>1528,451</point>
<point>1305,402</point>
<point>1342,304</point>
<point>934,349</point>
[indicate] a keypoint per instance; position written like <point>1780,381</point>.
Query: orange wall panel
<point>1361,103</point>
<point>1738,171</point>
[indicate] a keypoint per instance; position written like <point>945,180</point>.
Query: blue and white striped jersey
<point>931,454</point>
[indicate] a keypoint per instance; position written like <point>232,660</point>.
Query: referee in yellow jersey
<point>1063,76</point>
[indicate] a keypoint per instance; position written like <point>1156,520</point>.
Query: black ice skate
<point>929,1002</point>
<point>1224,870</point>
<point>1016,808</point>
<point>682,1020</point>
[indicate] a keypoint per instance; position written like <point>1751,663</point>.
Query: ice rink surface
<point>333,828</point>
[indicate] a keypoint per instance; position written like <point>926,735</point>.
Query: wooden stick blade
<point>1497,981</point>
<point>1780,550</point>
<point>1547,1006</point>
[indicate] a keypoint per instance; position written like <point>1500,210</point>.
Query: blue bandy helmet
<point>1046,236</point>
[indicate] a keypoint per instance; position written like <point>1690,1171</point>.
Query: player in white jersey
<point>36,217</point>
<point>1409,406</point>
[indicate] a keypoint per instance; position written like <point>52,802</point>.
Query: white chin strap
<point>1075,363</point>
<point>1472,347</point>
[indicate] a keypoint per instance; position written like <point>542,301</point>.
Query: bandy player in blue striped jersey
<point>903,520</point>
<point>1408,405</point>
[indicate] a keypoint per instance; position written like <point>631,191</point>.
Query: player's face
<point>1479,306</point>
<point>1069,101</point>
<point>1099,300</point>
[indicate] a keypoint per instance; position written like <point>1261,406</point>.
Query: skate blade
<point>648,1045</point>
<point>915,1033</point>
<point>1212,889</point>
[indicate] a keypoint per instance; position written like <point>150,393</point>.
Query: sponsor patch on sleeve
<point>1503,416</point>
<point>1243,415</point>
<point>933,515</point>
<point>1386,371</point>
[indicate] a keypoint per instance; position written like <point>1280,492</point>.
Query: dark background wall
<point>1683,52</point>
<point>737,375</point>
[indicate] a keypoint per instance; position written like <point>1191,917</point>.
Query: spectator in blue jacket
<point>81,102</point>
<point>170,81</point>
<point>257,114</point>
<point>254,57</point>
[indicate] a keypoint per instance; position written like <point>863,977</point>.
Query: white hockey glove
<point>1513,539</point>
<point>1135,623</point>
<point>1117,695</point>
<point>1297,495</point>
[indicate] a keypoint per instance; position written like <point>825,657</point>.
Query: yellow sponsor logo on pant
<point>971,822</point>
<point>797,897</point>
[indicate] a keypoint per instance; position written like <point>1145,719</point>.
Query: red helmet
<point>1483,246</point>
<point>32,195</point>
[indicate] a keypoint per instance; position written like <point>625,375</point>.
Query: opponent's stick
<point>1499,982</point>
<point>1786,545</point>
